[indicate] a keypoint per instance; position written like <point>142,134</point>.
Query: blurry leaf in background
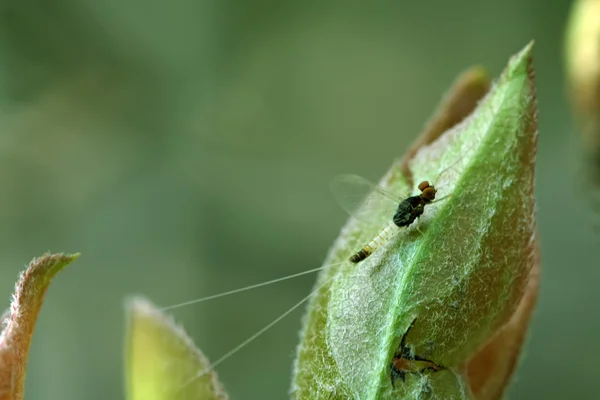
<point>162,362</point>
<point>17,331</point>
<point>464,280</point>
<point>582,56</point>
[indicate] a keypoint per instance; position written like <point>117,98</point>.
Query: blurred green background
<point>185,148</point>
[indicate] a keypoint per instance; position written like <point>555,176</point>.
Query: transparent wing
<point>362,199</point>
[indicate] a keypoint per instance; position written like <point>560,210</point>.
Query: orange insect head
<point>428,191</point>
<point>423,185</point>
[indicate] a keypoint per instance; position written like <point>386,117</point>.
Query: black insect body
<point>404,362</point>
<point>412,208</point>
<point>408,210</point>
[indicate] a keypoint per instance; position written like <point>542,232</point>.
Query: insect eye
<point>423,185</point>
<point>429,193</point>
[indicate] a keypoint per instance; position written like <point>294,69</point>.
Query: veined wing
<point>362,199</point>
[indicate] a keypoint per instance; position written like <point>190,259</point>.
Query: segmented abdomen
<point>377,241</point>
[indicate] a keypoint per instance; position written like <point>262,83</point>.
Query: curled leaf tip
<point>19,321</point>
<point>162,362</point>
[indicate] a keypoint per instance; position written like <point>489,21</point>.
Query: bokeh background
<point>185,148</point>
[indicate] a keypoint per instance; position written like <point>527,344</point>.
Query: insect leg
<point>441,198</point>
<point>404,351</point>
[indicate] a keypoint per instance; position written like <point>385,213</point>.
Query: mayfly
<point>362,200</point>
<point>357,196</point>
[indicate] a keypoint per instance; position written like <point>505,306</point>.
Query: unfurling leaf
<point>405,322</point>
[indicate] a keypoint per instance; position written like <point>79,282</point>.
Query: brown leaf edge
<point>19,322</point>
<point>490,369</point>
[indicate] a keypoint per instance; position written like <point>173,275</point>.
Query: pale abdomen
<point>386,234</point>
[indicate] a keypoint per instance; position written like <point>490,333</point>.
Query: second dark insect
<point>404,362</point>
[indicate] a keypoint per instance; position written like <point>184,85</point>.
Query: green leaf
<point>162,362</point>
<point>19,322</point>
<point>460,274</point>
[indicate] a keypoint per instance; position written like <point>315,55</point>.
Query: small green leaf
<point>460,272</point>
<point>162,362</point>
<point>19,321</point>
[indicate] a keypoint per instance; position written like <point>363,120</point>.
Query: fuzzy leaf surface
<point>460,272</point>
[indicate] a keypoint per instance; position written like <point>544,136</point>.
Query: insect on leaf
<point>459,277</point>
